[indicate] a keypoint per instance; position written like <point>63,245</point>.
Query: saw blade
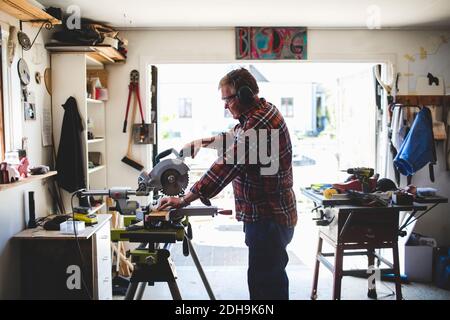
<point>173,183</point>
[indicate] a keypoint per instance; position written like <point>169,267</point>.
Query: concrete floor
<point>219,244</point>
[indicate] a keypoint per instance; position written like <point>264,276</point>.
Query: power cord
<point>78,243</point>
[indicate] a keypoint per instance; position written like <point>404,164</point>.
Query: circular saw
<point>170,176</point>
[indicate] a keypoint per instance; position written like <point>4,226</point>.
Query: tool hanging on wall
<point>24,40</point>
<point>133,87</point>
<point>143,133</point>
<point>388,86</point>
<point>128,159</point>
<point>24,75</point>
<point>12,41</point>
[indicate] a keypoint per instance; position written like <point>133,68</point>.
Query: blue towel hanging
<point>418,147</point>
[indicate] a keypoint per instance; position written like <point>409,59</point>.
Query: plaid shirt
<point>257,196</point>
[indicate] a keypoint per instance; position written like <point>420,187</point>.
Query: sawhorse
<point>156,266</point>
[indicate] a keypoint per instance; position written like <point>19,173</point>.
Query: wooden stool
<point>364,230</point>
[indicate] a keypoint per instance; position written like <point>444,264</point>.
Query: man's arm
<point>214,142</point>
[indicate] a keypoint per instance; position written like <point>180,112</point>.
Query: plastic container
<point>67,227</point>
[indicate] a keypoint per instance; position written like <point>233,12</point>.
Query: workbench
<point>358,230</point>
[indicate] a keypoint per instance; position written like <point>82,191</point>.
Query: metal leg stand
<point>131,291</point>
<point>174,291</point>
<point>141,290</point>
<point>371,291</point>
<point>200,269</point>
<point>316,270</point>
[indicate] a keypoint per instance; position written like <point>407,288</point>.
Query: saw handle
<point>205,201</point>
<point>165,153</point>
<point>225,212</point>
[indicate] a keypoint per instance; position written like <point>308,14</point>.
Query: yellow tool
<point>89,219</point>
<point>328,193</point>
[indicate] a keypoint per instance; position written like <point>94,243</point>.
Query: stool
<point>364,231</point>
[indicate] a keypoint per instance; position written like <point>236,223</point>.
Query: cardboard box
<point>419,263</point>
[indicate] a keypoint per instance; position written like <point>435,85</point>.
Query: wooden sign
<point>271,43</point>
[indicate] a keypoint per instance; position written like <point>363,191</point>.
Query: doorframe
<point>146,61</point>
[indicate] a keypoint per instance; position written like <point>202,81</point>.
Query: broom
<point>128,158</point>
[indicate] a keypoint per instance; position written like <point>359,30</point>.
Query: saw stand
<point>153,262</point>
<point>156,235</point>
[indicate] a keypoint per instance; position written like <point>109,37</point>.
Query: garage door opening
<point>330,110</point>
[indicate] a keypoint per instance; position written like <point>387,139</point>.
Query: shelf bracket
<point>44,23</point>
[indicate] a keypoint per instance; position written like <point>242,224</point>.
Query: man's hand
<point>168,203</point>
<point>192,148</point>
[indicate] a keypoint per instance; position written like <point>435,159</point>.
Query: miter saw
<point>145,225</point>
<point>170,176</point>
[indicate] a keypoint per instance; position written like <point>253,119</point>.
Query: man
<point>264,198</point>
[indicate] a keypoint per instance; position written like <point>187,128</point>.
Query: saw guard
<point>158,172</point>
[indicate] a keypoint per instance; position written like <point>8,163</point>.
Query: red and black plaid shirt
<point>257,196</point>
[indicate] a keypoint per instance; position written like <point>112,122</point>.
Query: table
<point>348,228</point>
<point>48,259</point>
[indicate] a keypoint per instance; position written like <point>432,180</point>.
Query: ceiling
<point>125,14</point>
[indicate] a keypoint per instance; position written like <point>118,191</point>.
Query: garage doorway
<point>330,110</point>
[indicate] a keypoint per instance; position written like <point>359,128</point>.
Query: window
<point>287,107</point>
<point>185,108</point>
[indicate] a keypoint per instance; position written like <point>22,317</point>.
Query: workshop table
<point>348,228</point>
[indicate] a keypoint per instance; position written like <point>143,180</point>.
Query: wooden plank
<point>424,100</point>
<point>158,215</point>
<point>30,179</point>
<point>103,54</point>
<point>25,11</point>
<point>110,52</point>
<point>92,62</point>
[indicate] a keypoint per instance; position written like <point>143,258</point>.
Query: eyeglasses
<point>228,99</point>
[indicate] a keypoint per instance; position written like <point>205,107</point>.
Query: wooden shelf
<point>89,100</point>
<point>95,169</point>
<point>25,11</point>
<point>423,100</point>
<point>101,53</point>
<point>30,179</point>
<point>96,140</point>
<point>93,62</point>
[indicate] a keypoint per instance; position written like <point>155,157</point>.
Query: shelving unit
<point>92,112</point>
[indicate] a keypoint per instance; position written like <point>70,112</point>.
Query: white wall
<point>12,201</point>
<point>217,45</point>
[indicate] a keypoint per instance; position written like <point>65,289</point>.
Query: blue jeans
<point>267,259</point>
